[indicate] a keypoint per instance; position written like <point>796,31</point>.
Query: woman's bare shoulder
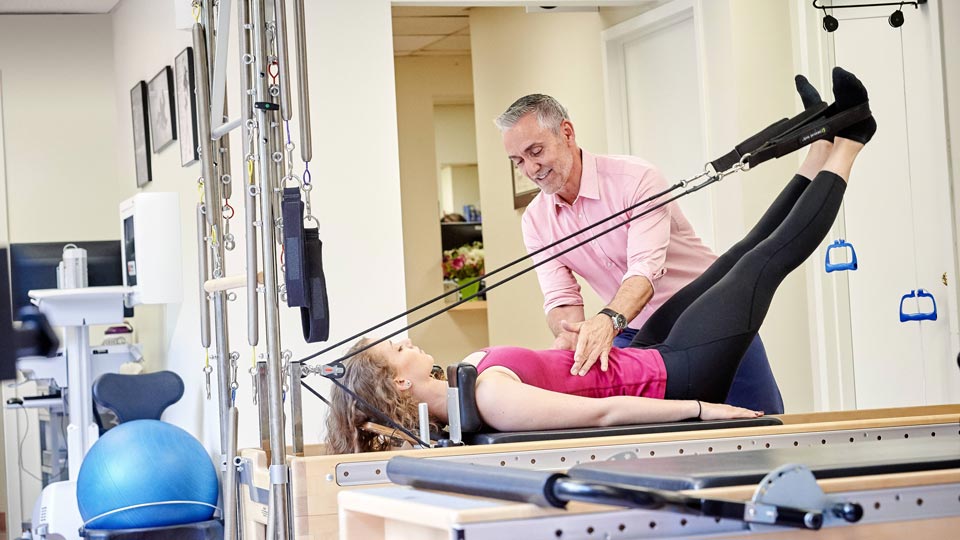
<point>475,357</point>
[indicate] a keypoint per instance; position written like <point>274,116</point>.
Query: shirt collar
<point>589,184</point>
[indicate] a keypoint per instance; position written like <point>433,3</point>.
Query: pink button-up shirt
<point>660,246</point>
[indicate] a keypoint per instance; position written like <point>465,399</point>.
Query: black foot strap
<point>315,315</point>
<point>295,270</point>
<point>789,135</point>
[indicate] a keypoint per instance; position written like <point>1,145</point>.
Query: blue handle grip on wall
<point>840,244</point>
<point>919,293</point>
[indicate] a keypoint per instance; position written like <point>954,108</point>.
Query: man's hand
<point>594,342</point>
<point>566,341</point>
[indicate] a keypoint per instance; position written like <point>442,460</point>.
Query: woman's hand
<point>720,411</point>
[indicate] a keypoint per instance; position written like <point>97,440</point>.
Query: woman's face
<point>409,361</point>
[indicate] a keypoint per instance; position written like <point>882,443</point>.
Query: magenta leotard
<point>631,372</point>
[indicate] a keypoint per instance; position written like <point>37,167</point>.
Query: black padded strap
<point>294,275</point>
<point>825,127</point>
<point>315,314</point>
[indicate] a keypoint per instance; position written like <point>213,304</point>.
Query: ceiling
<point>431,31</point>
<point>50,7</point>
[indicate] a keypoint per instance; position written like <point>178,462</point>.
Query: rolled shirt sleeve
<point>557,282</point>
<point>648,237</point>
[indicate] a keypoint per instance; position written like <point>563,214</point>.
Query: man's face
<point>544,156</point>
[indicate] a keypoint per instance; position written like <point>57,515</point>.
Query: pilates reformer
<point>317,479</point>
<point>889,488</point>
<point>779,139</point>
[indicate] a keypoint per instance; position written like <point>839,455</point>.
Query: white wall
<point>59,127</point>
<point>421,84</point>
<point>503,70</point>
<point>357,195</point>
<point>55,113</point>
<point>4,227</point>
<point>455,133</point>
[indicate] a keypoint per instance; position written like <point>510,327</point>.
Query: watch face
<point>620,321</point>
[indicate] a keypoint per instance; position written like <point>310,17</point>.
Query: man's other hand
<point>594,342</point>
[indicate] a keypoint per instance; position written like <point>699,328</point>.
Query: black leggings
<point>704,329</point>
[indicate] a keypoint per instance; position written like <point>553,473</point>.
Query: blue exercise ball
<point>146,473</point>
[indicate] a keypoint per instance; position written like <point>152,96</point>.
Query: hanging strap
<point>295,268</point>
<point>315,315</point>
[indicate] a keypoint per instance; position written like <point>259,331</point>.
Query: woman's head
<point>385,376</point>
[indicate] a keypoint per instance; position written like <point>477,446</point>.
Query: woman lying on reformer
<point>681,363</point>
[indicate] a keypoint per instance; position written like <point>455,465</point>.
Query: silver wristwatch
<point>619,321</point>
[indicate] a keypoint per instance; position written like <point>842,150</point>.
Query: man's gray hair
<point>550,113</point>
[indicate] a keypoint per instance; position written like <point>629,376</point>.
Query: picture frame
<point>524,190</point>
<point>163,123</point>
<point>139,109</point>
<point>185,87</point>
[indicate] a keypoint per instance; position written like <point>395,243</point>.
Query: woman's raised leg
<point>705,345</point>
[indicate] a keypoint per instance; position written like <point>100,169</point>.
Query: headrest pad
<point>463,377</point>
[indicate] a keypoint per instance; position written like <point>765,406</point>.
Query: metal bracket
<point>245,468</point>
<point>218,87</point>
<point>787,485</point>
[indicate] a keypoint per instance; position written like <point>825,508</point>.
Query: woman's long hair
<point>372,378</point>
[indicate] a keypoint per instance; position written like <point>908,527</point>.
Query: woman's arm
<point>507,404</point>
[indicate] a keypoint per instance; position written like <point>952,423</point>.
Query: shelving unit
<point>471,306</point>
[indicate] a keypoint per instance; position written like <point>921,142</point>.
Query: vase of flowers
<point>464,264</point>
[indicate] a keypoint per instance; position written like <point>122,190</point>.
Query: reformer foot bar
<point>317,479</point>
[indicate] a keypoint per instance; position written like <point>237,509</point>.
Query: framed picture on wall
<point>163,127</point>
<point>524,190</point>
<point>141,136</point>
<point>186,106</point>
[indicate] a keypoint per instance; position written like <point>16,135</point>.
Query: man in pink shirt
<point>635,269</point>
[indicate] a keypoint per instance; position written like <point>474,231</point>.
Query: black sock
<point>808,94</point>
<point>849,92</point>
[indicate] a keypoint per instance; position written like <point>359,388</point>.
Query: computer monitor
<point>34,266</point>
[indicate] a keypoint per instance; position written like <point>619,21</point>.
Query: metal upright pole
<point>249,199</point>
<point>211,157</point>
<point>268,186</point>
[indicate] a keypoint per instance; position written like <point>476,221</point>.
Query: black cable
<point>491,273</point>
<point>26,431</point>
<point>372,344</point>
<point>370,409</point>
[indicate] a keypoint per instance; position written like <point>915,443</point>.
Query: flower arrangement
<point>464,262</point>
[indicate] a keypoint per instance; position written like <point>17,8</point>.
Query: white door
<point>654,100</point>
<point>897,216</point>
